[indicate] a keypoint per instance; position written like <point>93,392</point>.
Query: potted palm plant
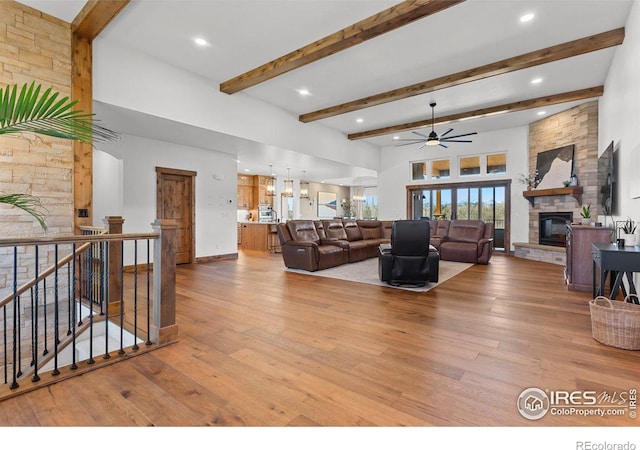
<point>29,110</point>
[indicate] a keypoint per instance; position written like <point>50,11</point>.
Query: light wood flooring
<point>260,346</point>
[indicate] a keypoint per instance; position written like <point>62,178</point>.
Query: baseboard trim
<point>213,258</point>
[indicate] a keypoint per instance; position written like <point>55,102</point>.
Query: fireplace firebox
<point>553,228</point>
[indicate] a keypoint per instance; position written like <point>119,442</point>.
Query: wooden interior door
<point>175,200</point>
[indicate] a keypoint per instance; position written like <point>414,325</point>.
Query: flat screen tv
<point>607,202</point>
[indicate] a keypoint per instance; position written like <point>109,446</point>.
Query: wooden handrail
<point>76,238</point>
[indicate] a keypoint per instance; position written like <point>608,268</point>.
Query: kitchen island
<point>259,236</point>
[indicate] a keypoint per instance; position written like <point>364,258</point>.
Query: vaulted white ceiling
<point>244,34</point>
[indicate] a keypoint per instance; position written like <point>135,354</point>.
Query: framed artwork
<point>553,167</point>
<point>327,204</point>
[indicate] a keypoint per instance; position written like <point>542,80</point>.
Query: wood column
<point>82,91</point>
<point>113,224</point>
<point>164,328</point>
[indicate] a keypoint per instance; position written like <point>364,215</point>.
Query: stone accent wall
<point>35,47</point>
<point>577,126</point>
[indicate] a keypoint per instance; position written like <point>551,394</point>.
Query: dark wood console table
<point>617,261</point>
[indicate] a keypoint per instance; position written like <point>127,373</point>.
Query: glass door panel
<point>462,204</point>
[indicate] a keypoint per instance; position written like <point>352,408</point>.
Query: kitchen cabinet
<point>255,236</point>
<point>260,193</point>
<point>245,192</point>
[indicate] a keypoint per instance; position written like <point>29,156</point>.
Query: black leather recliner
<point>409,260</point>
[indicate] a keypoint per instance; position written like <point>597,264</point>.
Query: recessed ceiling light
<point>527,17</point>
<point>237,160</point>
<point>304,92</point>
<point>536,81</point>
<point>246,170</point>
<point>359,120</point>
<point>395,138</point>
<point>201,42</point>
<point>541,113</point>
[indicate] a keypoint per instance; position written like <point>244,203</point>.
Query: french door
<point>487,201</point>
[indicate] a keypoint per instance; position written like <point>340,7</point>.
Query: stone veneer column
<point>577,126</point>
<point>35,47</point>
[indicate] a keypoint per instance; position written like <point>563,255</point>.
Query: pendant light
<point>271,185</point>
<point>288,185</point>
<point>304,186</point>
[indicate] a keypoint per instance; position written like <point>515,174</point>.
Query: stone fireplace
<point>577,126</point>
<point>552,228</point>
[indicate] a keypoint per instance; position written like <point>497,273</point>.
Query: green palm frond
<point>45,114</point>
<point>27,203</point>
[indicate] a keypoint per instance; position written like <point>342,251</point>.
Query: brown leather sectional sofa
<point>319,244</point>
<point>468,241</point>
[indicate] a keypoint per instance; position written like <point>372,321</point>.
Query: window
<point>497,164</point>
<point>419,170</point>
<point>441,169</point>
<point>469,165</point>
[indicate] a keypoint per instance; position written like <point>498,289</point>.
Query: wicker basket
<point>616,323</point>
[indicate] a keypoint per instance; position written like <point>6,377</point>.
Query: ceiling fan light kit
<point>433,139</point>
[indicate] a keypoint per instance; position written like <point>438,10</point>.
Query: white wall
<point>216,200</point>
<point>395,174</point>
<point>107,186</point>
<point>129,79</point>
<point>619,111</point>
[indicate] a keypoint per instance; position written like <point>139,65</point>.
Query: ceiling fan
<point>433,138</point>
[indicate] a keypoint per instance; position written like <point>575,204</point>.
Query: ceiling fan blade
<point>446,132</point>
<point>420,134</point>
<point>408,143</point>
<point>442,145</point>
<point>422,146</point>
<point>460,135</point>
<point>455,141</point>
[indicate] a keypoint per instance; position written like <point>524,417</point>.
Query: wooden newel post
<point>164,328</point>
<point>113,224</point>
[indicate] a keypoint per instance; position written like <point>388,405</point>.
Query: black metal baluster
<point>44,316</point>
<point>32,327</point>
<point>80,276</point>
<point>90,302</point>
<point>35,376</point>
<point>121,351</point>
<point>16,304</point>
<point>148,293</point>
<point>56,328</point>
<point>19,341</point>
<point>106,299</point>
<point>135,296</point>
<point>101,283</point>
<point>69,298</point>
<point>74,366</point>
<point>4,342</point>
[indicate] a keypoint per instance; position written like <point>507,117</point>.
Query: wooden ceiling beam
<point>390,19</point>
<point>95,16</point>
<point>86,26</point>
<point>522,105</point>
<point>554,53</point>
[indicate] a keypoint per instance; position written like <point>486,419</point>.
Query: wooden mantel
<point>574,191</point>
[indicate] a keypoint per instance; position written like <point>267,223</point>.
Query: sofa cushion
<point>334,229</point>
<point>466,230</point>
<point>303,230</point>
<point>370,229</point>
<point>352,229</point>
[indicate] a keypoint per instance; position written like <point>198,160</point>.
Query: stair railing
<point>43,311</point>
